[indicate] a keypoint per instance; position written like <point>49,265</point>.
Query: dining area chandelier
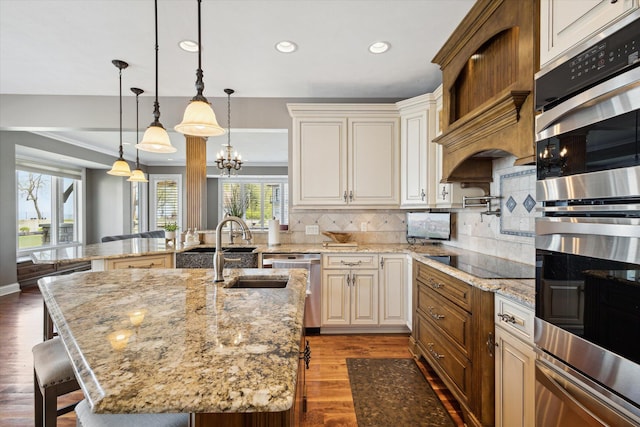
<point>228,160</point>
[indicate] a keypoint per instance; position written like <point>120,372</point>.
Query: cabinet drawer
<point>449,287</point>
<point>153,261</point>
<point>454,322</point>
<point>444,359</point>
<point>514,317</point>
<point>350,261</point>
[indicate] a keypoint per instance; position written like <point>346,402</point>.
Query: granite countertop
<point>197,347</point>
<point>522,290</point>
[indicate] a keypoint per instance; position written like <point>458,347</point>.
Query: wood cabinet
<point>393,289</point>
<point>445,195</point>
<point>28,273</point>
<point>345,155</point>
<point>453,329</point>
<point>515,364</point>
<point>146,261</point>
<point>565,24</point>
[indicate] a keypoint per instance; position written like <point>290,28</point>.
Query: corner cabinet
<point>515,364</point>
<point>417,121</point>
<point>345,155</point>
<point>453,329</point>
<point>567,23</point>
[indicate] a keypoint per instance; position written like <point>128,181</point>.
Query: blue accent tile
<point>511,204</point>
<point>529,203</point>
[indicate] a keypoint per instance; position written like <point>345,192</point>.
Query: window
<point>255,199</point>
<point>166,200</point>
<point>138,207</point>
<point>49,206</point>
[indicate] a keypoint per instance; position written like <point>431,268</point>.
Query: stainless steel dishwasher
<point>312,263</point>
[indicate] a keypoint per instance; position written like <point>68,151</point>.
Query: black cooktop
<point>486,266</point>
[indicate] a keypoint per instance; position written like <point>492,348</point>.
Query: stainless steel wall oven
<point>587,328</point>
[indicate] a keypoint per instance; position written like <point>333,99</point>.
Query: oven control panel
<point>608,57</point>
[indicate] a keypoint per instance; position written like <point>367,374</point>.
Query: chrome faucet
<point>218,258</point>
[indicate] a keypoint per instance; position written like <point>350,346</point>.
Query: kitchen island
<point>172,340</point>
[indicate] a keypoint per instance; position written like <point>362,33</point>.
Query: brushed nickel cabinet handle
<point>434,353</point>
<point>436,316</point>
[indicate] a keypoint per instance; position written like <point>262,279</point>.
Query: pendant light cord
<point>120,78</point>
<point>199,74</point>
<point>229,118</point>
<point>156,104</point>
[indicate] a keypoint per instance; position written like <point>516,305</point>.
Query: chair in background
<point>86,418</point>
<point>156,234</point>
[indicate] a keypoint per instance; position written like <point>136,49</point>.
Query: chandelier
<point>228,160</point>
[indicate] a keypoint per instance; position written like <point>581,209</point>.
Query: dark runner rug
<point>393,392</point>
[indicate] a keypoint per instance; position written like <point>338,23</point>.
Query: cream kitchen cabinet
<point>515,364</point>
<point>417,161</point>
<point>349,290</point>
<point>566,23</point>
<point>446,195</point>
<point>394,290</point>
<point>345,155</point>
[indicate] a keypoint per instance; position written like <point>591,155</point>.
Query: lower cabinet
<point>515,364</point>
<point>145,261</point>
<point>453,329</point>
<point>364,293</point>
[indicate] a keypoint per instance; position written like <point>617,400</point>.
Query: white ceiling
<point>65,47</point>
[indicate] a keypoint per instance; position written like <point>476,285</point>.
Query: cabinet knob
<point>351,196</point>
<point>423,194</point>
<point>444,192</point>
<point>344,196</point>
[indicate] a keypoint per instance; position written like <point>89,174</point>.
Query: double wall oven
<point>587,328</point>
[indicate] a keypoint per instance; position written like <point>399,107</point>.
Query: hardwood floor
<point>329,392</point>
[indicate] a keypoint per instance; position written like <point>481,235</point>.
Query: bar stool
<point>52,377</point>
<point>86,418</point>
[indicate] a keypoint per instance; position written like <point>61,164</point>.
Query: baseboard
<point>9,289</point>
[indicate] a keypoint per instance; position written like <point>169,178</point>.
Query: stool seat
<point>86,418</point>
<point>52,377</point>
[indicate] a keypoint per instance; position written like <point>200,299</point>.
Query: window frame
<point>58,174</point>
<point>262,180</point>
<point>153,184</point>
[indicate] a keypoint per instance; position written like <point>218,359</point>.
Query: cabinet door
<point>414,159</point>
<point>393,290</point>
<point>566,23</point>
<point>515,381</point>
<point>336,297</point>
<point>364,297</point>
<point>374,153</point>
<point>319,161</point>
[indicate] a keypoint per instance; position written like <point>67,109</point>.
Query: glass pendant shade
<point>137,176</point>
<point>199,120</point>
<point>120,168</point>
<point>156,140</point>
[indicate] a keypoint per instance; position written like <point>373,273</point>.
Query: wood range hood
<point>487,67</point>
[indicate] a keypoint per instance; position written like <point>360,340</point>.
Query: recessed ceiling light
<point>188,45</point>
<point>285,46</point>
<point>379,47</point>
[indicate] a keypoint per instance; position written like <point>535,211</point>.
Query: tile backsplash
<point>511,235</point>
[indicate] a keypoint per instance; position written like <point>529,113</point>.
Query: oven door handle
<point>615,227</point>
<point>621,93</point>
<point>567,393</point>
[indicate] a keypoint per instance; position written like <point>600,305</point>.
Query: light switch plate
<point>312,230</point>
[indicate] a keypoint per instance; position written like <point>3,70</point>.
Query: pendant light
<point>155,138</point>
<point>199,118</point>
<point>120,167</point>
<point>227,160</point>
<point>137,175</point>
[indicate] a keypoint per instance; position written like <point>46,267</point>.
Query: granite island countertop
<point>522,290</point>
<point>188,344</point>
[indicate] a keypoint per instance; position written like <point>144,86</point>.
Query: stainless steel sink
<point>259,282</point>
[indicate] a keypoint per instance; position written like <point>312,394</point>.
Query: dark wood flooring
<point>329,392</point>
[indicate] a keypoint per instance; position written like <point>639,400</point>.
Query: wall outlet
<point>363,226</point>
<point>311,230</point>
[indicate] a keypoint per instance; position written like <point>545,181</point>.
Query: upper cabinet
<point>488,65</point>
<point>417,153</point>
<point>567,23</point>
<point>345,155</point>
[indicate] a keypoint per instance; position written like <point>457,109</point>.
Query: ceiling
<point>65,47</point>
